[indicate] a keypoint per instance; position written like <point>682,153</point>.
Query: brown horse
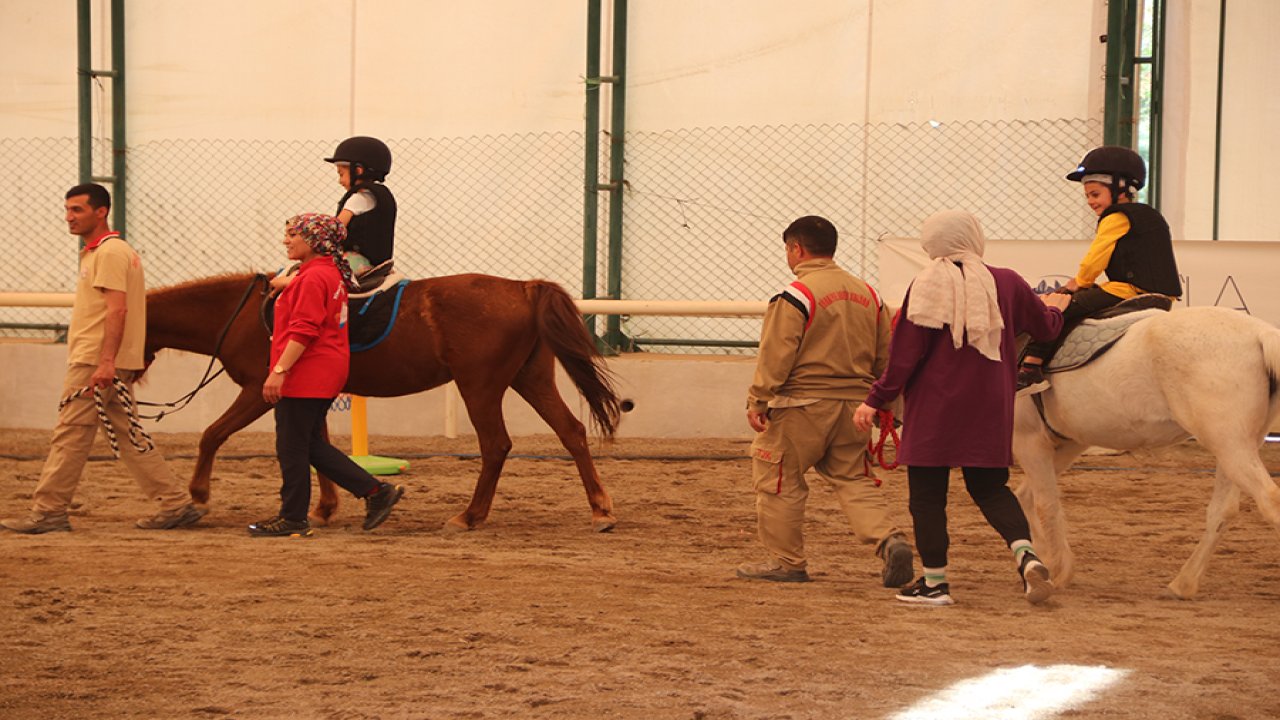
<point>484,333</point>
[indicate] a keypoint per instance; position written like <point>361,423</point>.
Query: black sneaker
<point>279,527</point>
<point>1035,579</point>
<point>1031,380</point>
<point>377,507</point>
<point>921,594</point>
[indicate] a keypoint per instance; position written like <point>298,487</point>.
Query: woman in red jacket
<point>310,358</point>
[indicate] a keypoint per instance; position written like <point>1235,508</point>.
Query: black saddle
<point>372,279</point>
<point>1148,301</point>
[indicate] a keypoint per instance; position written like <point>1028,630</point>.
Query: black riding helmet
<point>367,152</point>
<point>1125,168</point>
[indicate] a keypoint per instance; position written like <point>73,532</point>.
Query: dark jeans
<point>989,488</point>
<point>1084,302</point>
<point>301,445</point>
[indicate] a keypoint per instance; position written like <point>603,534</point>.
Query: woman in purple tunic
<point>954,359</point>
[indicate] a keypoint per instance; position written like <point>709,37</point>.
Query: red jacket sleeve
<point>307,309</point>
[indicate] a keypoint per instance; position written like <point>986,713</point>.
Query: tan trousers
<point>73,440</point>
<point>819,436</point>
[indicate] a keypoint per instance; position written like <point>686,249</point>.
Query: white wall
<point>1251,65</point>
<point>243,69</point>
<point>322,69</point>
<point>328,68</point>
<point>37,70</point>
<point>1002,60</point>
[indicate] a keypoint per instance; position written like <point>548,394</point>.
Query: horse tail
<point>560,326</point>
<point>1271,357</point>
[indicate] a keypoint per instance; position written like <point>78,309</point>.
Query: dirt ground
<point>535,616</point>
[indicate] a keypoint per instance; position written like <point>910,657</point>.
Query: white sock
<point>933,577</point>
<point>1020,548</point>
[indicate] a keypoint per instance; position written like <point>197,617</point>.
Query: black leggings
<point>1084,302</point>
<point>989,488</point>
<point>300,445</point>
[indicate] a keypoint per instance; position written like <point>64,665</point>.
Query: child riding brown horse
<point>484,333</point>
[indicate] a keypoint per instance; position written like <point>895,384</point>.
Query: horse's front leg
<point>247,407</point>
<point>1041,499</point>
<point>327,505</point>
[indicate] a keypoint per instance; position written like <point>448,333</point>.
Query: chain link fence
<point>703,208</point>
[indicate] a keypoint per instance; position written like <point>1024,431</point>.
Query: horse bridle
<point>185,400</point>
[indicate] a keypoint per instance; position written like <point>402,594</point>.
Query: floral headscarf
<point>324,234</point>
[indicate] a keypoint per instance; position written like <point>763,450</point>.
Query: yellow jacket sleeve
<point>1110,229</point>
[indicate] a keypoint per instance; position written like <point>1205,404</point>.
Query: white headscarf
<point>963,297</point>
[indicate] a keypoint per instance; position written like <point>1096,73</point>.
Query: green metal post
<point>1157,104</point>
<point>85,75</point>
<point>1118,114</point>
<point>591,160</point>
<point>84,86</point>
<point>613,335</point>
<point>1217,140</point>
<point>118,146</point>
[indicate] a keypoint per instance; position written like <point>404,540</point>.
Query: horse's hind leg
<point>536,384</point>
<point>247,407</point>
<point>1224,506</point>
<point>1239,469</point>
<point>484,407</point>
<point>328,502</point>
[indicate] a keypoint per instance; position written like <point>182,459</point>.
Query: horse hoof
<point>603,524</point>
<point>455,525</point>
<point>318,520</point>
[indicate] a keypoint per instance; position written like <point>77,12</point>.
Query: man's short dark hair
<point>98,195</point>
<point>815,234</point>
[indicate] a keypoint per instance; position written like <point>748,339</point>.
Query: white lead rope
<point>138,437</point>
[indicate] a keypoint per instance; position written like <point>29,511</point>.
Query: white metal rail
<point>671,308</point>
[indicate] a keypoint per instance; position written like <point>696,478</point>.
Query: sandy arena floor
<point>535,616</point>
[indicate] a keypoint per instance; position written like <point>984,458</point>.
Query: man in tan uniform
<point>104,343</point>
<point>824,342</point>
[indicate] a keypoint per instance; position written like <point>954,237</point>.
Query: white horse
<point>1209,373</point>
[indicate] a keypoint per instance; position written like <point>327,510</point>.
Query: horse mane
<point>169,293</point>
<point>202,282</point>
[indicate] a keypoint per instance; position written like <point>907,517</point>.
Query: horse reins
<point>875,448</point>
<point>138,437</point>
<point>213,357</point>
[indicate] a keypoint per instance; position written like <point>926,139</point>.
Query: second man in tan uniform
<point>824,342</point>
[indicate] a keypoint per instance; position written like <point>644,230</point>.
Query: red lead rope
<point>875,448</point>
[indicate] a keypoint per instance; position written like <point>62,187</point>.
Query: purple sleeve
<point>1032,316</point>
<point>906,351</point>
